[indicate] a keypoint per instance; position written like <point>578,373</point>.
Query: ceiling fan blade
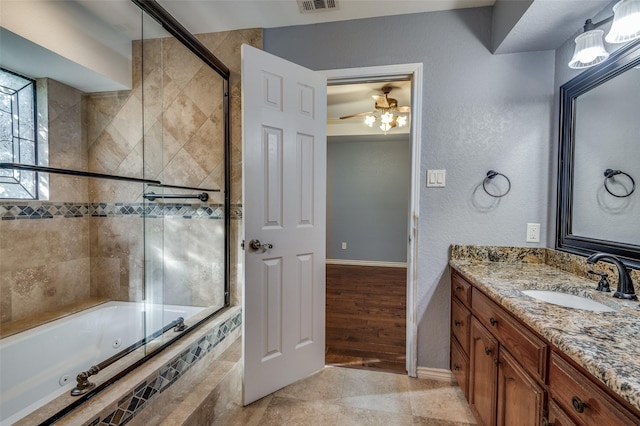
<point>360,114</point>
<point>404,109</point>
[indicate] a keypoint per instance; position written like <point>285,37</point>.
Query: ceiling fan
<point>386,111</point>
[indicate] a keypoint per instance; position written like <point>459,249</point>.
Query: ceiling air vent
<point>307,6</point>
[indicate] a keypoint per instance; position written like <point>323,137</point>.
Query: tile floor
<point>346,396</point>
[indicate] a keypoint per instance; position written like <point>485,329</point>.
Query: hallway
<point>345,396</point>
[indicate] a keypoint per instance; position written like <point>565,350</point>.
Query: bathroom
<point>481,111</point>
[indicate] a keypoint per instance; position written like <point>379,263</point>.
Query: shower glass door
<point>184,148</point>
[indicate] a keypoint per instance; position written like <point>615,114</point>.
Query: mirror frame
<point>620,61</point>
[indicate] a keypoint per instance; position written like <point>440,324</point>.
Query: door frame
<point>388,73</point>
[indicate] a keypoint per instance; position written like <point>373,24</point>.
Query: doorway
<point>360,282</point>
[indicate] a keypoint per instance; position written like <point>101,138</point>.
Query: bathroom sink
<point>568,300</point>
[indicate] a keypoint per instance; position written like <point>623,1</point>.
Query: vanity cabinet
<point>512,376</point>
<point>507,362</point>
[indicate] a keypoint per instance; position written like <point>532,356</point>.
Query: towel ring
<point>609,173</point>
<point>490,175</point>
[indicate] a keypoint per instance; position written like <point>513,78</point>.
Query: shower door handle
<point>256,245</point>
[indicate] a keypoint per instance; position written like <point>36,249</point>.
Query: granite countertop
<point>606,344</point>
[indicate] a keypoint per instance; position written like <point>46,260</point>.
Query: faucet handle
<point>603,284</point>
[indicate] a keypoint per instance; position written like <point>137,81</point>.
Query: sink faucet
<point>625,286</point>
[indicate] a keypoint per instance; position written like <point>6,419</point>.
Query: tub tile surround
<point>603,343</point>
<point>128,397</point>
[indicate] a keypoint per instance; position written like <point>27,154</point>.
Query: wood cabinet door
<point>557,416</point>
<point>520,397</point>
<point>483,374</point>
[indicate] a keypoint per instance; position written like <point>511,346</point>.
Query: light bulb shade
<point>626,22</point>
<point>402,120</point>
<point>589,50</point>
<point>386,118</point>
<point>369,120</point>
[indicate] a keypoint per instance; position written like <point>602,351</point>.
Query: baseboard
<point>435,374</point>
<point>366,263</point>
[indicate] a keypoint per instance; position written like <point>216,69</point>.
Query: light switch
<point>436,178</point>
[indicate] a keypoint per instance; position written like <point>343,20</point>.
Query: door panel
<point>284,197</point>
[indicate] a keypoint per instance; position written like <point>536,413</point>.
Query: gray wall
<point>481,112</point>
<point>368,184</point>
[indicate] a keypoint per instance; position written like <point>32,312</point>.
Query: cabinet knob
<point>458,288</point>
<point>456,367</point>
<point>496,362</point>
<point>578,405</point>
<point>545,422</point>
<point>457,323</point>
<point>493,321</point>
<point>487,350</point>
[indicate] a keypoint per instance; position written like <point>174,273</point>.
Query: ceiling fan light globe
<point>401,120</point>
<point>369,120</point>
<point>386,118</point>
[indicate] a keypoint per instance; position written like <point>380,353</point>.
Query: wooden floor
<point>366,317</point>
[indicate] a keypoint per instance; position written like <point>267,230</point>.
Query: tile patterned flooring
<point>345,396</point>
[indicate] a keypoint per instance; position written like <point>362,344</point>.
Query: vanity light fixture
<point>626,22</point>
<point>590,48</point>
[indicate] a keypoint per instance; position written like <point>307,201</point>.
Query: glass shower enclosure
<point>124,245</point>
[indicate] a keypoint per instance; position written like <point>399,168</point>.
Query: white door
<point>284,197</point>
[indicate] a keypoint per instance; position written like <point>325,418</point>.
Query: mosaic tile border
<point>135,401</point>
<point>49,210</point>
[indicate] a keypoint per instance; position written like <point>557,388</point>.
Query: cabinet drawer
<point>460,288</point>
<point>460,317</point>
<point>582,399</point>
<point>526,347</point>
<point>460,367</point>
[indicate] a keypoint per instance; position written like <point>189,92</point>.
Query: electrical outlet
<point>344,245</point>
<point>533,232</point>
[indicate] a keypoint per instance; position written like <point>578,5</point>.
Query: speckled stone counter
<point>606,344</point>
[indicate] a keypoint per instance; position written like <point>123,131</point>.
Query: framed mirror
<point>599,159</point>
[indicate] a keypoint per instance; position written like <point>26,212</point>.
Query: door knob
<point>256,245</point>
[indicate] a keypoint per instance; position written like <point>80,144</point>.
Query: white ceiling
<point>201,16</point>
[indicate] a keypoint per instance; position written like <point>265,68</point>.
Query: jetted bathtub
<point>42,363</point>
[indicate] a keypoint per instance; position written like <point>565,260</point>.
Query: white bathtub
<point>42,363</point>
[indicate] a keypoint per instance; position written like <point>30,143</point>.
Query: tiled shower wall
<point>45,264</point>
<point>80,252</point>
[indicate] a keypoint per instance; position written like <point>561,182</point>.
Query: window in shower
<point>17,135</point>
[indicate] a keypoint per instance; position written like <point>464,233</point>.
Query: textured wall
<point>368,183</point>
<point>481,112</point>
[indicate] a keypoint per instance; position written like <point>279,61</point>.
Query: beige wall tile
<point>48,287</point>
<point>183,118</point>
